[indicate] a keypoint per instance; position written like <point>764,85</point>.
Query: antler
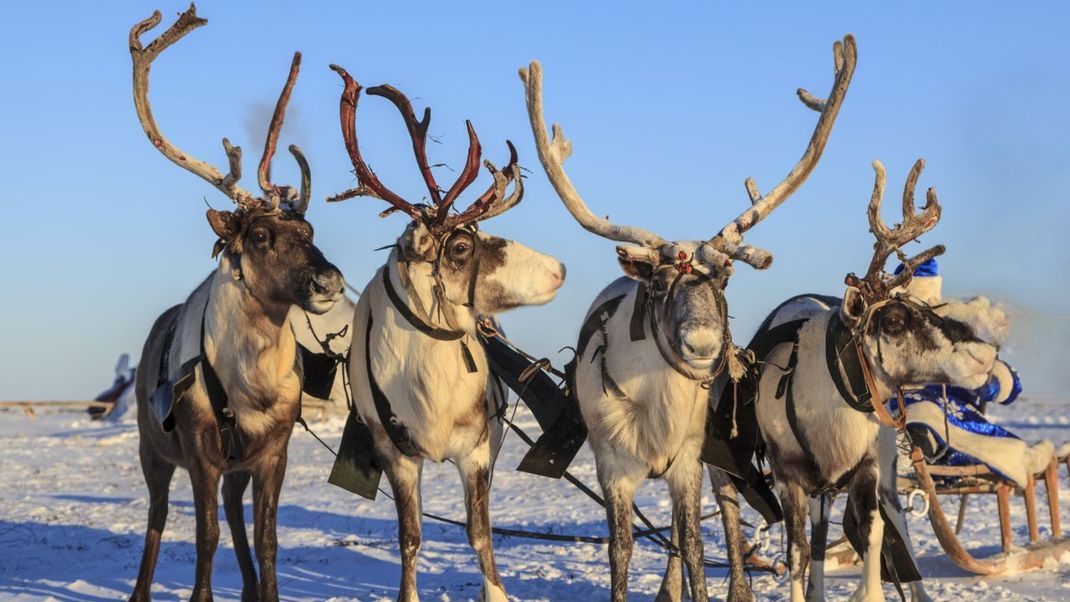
<point>142,58</point>
<point>367,182</point>
<point>492,202</point>
<point>729,240</point>
<point>553,154</point>
<point>890,240</point>
<point>275,192</point>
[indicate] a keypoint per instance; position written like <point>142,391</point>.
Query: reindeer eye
<point>460,249</point>
<point>259,236</point>
<point>893,324</point>
<point>658,285</point>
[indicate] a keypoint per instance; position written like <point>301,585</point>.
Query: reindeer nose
<point>698,343</point>
<point>328,282</point>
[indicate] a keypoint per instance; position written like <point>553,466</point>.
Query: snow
<point>73,507</point>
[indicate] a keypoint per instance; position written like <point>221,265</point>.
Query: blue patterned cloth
<point>963,414</point>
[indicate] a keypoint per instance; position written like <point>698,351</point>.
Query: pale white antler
<point>553,154</point>
<point>730,239</point>
<point>875,285</point>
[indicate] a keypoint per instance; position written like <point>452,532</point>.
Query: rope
<point>651,533</point>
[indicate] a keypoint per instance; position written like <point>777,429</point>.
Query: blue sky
<point>669,108</point>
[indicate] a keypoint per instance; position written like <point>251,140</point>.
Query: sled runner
<point>979,479</point>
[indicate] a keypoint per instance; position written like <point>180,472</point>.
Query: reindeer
<point>419,376</point>
<point>820,392</point>
<point>654,342</point>
<point>219,387</point>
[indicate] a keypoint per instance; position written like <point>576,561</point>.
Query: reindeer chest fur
<point>427,382</point>
<point>840,436</point>
<point>660,413</point>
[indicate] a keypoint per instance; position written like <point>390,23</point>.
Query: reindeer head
<point>265,241</point>
<point>909,340</point>
<point>470,268</point>
<point>684,281</point>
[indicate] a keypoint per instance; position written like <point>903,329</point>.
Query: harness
<point>552,453</point>
<point>418,318</point>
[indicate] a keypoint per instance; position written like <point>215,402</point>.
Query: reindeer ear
<point>854,307</point>
<point>226,226</point>
<point>637,262</point>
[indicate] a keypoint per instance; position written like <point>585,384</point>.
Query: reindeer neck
<point>414,284</point>
<point>238,326</point>
<point>627,359</point>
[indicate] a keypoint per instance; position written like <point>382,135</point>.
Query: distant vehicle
<point>119,395</point>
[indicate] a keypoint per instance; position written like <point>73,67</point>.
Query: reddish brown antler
<point>417,131</point>
<point>367,182</point>
<point>274,192</point>
<point>492,202</point>
<point>875,284</point>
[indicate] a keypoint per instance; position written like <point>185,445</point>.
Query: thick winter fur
<point>658,427</point>
<point>446,409</point>
<point>906,344</point>
<point>250,344</point>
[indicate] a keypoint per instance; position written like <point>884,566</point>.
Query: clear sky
<point>669,107</point>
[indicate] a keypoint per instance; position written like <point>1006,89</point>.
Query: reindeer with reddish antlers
<point>220,382</point>
<point>420,378</point>
<point>656,341</point>
<point>830,365</point>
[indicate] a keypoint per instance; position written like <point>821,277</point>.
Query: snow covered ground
<point>73,505</point>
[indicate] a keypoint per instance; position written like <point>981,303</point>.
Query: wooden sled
<point>978,479</point>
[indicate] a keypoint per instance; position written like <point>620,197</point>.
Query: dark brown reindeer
<point>420,377</point>
<point>221,384</point>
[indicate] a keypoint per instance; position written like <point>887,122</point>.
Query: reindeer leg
<point>728,501</point>
<point>864,497</point>
<point>404,476</point>
<point>234,485</point>
<point>268,475</point>
<point>685,486</point>
<point>204,477</point>
<point>820,508</point>
<point>158,472</point>
<point>793,499</point>
<point>618,489</point>
<point>475,475</point>
<point>672,584</point>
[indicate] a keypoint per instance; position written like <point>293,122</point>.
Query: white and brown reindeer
<point>419,375</point>
<point>820,392</point>
<point>220,381</point>
<point>658,340</point>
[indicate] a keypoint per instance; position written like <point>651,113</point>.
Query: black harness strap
<point>397,432</point>
<point>434,332</point>
<point>217,395</point>
<point>845,367</point>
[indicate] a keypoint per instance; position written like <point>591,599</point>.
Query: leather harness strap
<point>397,432</point>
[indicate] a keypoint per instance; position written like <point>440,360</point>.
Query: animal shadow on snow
<point>358,558</point>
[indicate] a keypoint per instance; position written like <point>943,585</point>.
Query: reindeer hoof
<point>864,594</point>
<point>492,593</point>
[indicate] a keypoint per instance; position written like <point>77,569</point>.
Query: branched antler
<point>274,192</point>
<point>142,58</point>
<point>492,202</point>
<point>553,153</point>
<point>729,240</point>
<point>876,285</point>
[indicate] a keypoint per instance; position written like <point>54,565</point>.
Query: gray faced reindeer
<point>820,391</point>
<point>220,381</point>
<point>655,341</point>
<point>419,376</point>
